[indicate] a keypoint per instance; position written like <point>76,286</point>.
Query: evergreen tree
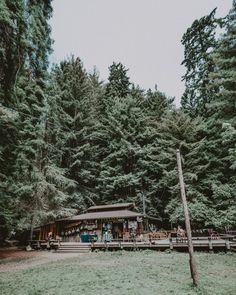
<point>77,110</point>
<point>119,84</point>
<point>223,77</point>
<point>8,139</point>
<point>120,135</point>
<point>12,56</point>
<point>128,148</point>
<point>198,41</point>
<point>39,186</point>
<point>221,124</point>
<point>179,131</point>
<point>38,36</point>
<point>156,103</point>
<point>13,44</point>
<point>96,95</point>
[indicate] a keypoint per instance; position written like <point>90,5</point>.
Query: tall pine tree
<point>198,41</point>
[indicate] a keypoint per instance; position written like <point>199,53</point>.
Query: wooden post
<point>210,244</point>
<point>32,227</point>
<point>192,262</point>
<point>146,227</point>
<point>227,244</point>
<point>144,204</point>
<point>171,244</point>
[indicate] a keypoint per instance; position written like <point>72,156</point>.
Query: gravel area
<point>13,259</point>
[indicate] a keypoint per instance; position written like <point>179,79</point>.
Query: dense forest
<point>69,140</point>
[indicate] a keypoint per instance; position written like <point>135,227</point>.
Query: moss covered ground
<point>144,272</point>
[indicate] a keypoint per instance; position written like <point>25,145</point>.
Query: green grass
<point>131,273</point>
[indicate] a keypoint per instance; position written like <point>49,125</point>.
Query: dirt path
<point>13,260</point>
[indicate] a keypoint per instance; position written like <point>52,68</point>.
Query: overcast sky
<point>145,35</point>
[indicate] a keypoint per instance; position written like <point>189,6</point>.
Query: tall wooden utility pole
<point>192,262</point>
<point>144,204</point>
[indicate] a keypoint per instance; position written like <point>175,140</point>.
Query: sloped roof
<point>106,215</point>
<point>112,206</point>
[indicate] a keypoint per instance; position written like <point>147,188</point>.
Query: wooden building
<point>115,222</point>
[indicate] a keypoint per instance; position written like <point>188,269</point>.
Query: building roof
<point>111,207</point>
<point>106,215</point>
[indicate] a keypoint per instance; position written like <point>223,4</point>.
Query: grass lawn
<point>132,273</point>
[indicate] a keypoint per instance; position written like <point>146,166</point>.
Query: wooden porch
<point>199,244</point>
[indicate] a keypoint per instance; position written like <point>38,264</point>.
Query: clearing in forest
<point>144,272</point>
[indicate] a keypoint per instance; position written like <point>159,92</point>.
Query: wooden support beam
<point>210,245</point>
<point>192,262</point>
<point>227,244</point>
<point>171,244</point>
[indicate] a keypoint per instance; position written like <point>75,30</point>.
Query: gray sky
<point>144,35</point>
